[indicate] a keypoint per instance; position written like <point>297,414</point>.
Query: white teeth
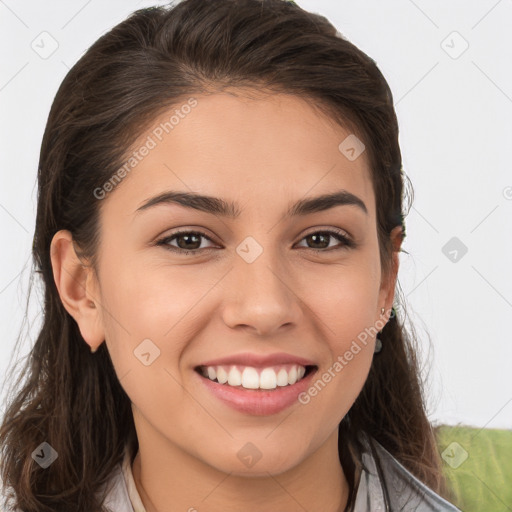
<point>292,376</point>
<point>282,377</point>
<point>234,377</point>
<point>222,375</point>
<point>249,378</point>
<point>268,379</point>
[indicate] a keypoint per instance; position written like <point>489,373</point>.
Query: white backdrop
<point>448,65</point>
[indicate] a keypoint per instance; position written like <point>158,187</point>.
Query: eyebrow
<point>231,210</point>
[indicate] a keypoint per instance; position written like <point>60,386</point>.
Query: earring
<point>378,341</point>
<point>96,348</point>
<point>378,344</point>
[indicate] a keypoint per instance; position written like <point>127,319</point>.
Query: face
<point>262,281</point>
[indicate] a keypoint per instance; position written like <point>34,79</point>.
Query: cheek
<point>339,381</point>
<point>146,315</point>
<point>150,301</point>
<point>344,302</point>
<point>345,296</point>
<point>152,312</point>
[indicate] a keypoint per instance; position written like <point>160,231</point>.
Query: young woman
<point>218,232</point>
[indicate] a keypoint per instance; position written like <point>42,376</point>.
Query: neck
<point>182,482</point>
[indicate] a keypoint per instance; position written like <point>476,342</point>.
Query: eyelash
<point>347,243</point>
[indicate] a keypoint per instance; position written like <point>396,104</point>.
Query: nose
<point>260,297</point>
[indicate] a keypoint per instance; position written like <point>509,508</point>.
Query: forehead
<point>262,149</point>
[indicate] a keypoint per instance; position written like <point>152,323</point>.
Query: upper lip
<point>259,360</point>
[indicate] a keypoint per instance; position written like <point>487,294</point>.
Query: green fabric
<point>478,467</point>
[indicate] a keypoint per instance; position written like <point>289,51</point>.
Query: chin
<point>251,461</point>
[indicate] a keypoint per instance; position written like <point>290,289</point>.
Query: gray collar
<point>386,486</point>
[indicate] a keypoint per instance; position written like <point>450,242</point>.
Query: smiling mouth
<point>256,379</point>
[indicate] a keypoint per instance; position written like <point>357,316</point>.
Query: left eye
<point>318,236</point>
<point>189,242</point>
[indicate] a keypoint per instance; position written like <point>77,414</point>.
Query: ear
<point>388,282</point>
<point>77,287</point>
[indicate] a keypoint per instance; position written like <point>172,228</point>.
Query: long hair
<point>72,399</point>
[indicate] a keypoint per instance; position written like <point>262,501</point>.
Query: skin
<point>264,153</point>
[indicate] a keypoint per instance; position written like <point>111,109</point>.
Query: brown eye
<point>188,242</point>
<point>319,241</point>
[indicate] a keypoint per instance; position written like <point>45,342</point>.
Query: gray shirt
<point>387,486</point>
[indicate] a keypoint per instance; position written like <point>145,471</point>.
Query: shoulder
<point>115,493</point>
<point>117,498</point>
<point>385,484</point>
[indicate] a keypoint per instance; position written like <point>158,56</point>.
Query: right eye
<point>189,237</point>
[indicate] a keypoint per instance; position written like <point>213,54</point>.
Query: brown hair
<point>72,399</point>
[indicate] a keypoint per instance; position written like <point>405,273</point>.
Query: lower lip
<point>258,402</point>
